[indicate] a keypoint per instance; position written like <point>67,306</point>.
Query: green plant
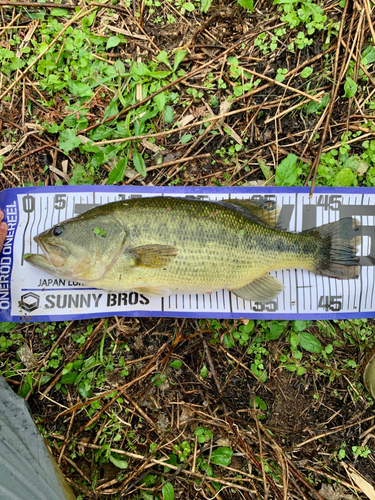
<point>286,172</point>
<point>203,434</point>
<point>246,4</point>
<point>260,42</point>
<point>361,451</point>
<point>280,76</point>
<point>183,450</point>
<point>260,405</point>
<point>306,12</point>
<point>302,41</point>
<point>99,231</point>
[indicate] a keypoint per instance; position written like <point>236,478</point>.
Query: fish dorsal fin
<point>264,211</point>
<point>262,289</point>
<point>153,256</point>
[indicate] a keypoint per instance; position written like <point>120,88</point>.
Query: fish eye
<point>58,230</point>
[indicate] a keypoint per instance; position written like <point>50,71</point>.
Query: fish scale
<point>213,231</point>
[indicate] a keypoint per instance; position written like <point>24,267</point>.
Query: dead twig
<point>335,87</point>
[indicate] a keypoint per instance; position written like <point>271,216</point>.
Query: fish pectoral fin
<point>262,289</point>
<point>153,256</point>
<point>264,211</point>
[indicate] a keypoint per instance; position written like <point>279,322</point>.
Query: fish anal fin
<point>264,211</point>
<point>262,289</point>
<point>153,256</point>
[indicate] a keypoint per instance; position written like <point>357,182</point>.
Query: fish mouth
<point>55,255</point>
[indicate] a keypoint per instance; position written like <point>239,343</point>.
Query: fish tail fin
<point>337,255</point>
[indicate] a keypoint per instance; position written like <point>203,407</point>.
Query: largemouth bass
<point>162,245</point>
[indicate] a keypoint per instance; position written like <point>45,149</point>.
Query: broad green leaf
<point>350,87</point>
<point>59,12</point>
<point>159,74</point>
<point>185,138</point>
<point>228,341</point>
<point>344,177</point>
<point>306,72</point>
<point>205,5</point>
<point>87,21</point>
<point>36,15</point>
<point>113,41</point>
<point>316,107</point>
<point>25,387</point>
<point>101,132</point>
<point>52,128</point>
<point>163,57</point>
<point>68,140</point>
<point>368,55</point>
<point>281,75</point>
<point>260,403</point>
<point>204,371</point>
<point>149,480</point>
<point>247,4</point>
<point>111,110</point>
<point>294,339</point>
<point>158,379</point>
<point>188,6</point>
<point>98,159</point>
<point>160,101</point>
<point>168,114</point>
<point>45,379</point>
<point>6,54</point>
<point>286,172</point>
<point>80,89</point>
<point>309,342</point>
<point>172,460</point>
<point>120,464</point>
<point>118,172</point>
<point>139,163</point>
<point>203,434</point>
<point>168,492</point>
<point>6,327</point>
<point>80,175</point>
<point>248,327</point>
<point>300,325</point>
<point>276,329</point>
<point>179,56</point>
<point>139,69</point>
<point>329,348</point>
<point>222,456</point>
<point>69,378</point>
<point>176,364</point>
<point>291,368</point>
<point>120,68</point>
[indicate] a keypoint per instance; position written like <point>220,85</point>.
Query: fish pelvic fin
<point>153,256</point>
<point>337,255</point>
<point>262,289</point>
<point>265,212</point>
<point>154,291</point>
